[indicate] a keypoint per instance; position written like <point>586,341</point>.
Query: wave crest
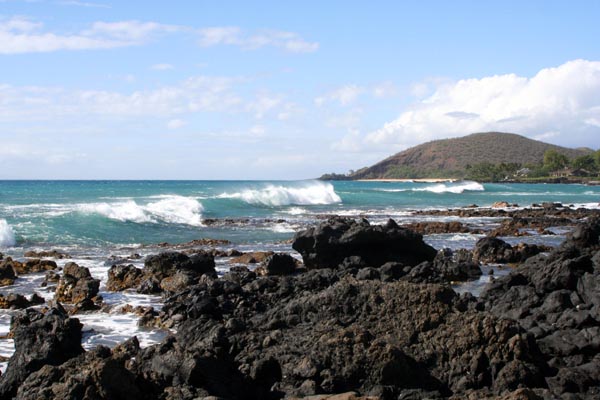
<point>7,235</point>
<point>313,193</point>
<point>458,187</point>
<point>171,209</point>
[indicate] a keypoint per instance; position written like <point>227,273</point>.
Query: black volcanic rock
<point>327,245</point>
<point>40,340</point>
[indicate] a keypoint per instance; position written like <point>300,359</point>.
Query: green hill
<point>450,158</point>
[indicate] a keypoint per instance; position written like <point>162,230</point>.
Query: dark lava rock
<point>277,264</point>
<point>121,277</point>
<point>52,254</point>
<point>40,340</point>
<point>254,257</point>
<point>17,301</point>
<point>557,299</point>
<point>104,376</point>
<point>173,271</point>
<point>7,272</point>
<point>327,245</point>
<point>494,250</point>
<point>76,285</point>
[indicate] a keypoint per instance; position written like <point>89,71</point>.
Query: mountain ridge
<point>450,158</point>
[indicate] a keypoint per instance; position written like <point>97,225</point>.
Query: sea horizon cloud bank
<point>561,103</point>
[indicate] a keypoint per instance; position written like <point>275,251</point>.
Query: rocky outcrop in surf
<point>339,239</point>
<point>352,324</point>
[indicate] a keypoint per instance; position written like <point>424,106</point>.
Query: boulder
<point>49,254</point>
<point>492,250</point>
<point>254,257</point>
<point>277,264</point>
<point>121,277</point>
<point>76,285</point>
<point>40,340</point>
<point>7,272</point>
<point>33,266</point>
<point>327,245</point>
<point>17,301</point>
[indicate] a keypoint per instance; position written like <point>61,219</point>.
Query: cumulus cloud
<point>560,103</point>
<point>175,124</point>
<point>235,36</point>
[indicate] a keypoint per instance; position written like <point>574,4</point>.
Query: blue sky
<point>282,90</point>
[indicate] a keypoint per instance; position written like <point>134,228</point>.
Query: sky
<point>104,89</point>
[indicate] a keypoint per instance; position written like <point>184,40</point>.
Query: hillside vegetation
<point>454,158</point>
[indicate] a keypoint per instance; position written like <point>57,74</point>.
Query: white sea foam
<point>458,187</point>
<point>172,209</point>
<point>7,235</point>
<point>310,193</point>
<point>295,211</point>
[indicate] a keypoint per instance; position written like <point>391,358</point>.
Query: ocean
<point>93,220</point>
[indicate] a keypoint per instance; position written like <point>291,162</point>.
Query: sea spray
<point>7,235</point>
<point>171,209</point>
<point>309,193</point>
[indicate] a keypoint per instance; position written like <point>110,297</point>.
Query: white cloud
<point>561,101</point>
<point>344,95</point>
<point>264,103</point>
<point>162,67</point>
<point>86,4</point>
<point>235,36</point>
<point>384,89</point>
<point>175,124</point>
<point>196,94</point>
<point>20,35</point>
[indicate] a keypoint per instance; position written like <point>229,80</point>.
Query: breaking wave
<point>313,193</point>
<point>171,209</point>
<point>458,187</point>
<point>7,235</point>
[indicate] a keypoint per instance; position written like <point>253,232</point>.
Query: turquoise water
<point>101,213</point>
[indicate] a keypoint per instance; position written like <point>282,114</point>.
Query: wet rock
<point>252,258</point>
<point>76,285</point>
<point>278,264</point>
<point>430,228</point>
<point>48,254</point>
<point>173,271</point>
<point>104,377</point>
<point>556,298</point>
<point>492,250</point>
<point>327,245</point>
<point>41,340</point>
<point>34,265</point>
<point>18,301</point>
<point>51,277</point>
<point>7,272</point>
<point>122,277</point>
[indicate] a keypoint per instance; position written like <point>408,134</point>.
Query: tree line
<point>588,164</point>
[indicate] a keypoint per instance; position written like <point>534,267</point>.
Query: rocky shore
<point>369,313</point>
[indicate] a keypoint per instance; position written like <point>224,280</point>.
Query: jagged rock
<point>33,266</point>
<point>40,340</point>
<point>104,376</point>
<point>557,299</point>
<point>51,277</point>
<point>121,277</point>
<point>327,245</point>
<point>40,254</point>
<point>17,301</point>
<point>7,272</point>
<point>433,227</point>
<point>277,264</point>
<point>251,258</point>
<point>76,285</point>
